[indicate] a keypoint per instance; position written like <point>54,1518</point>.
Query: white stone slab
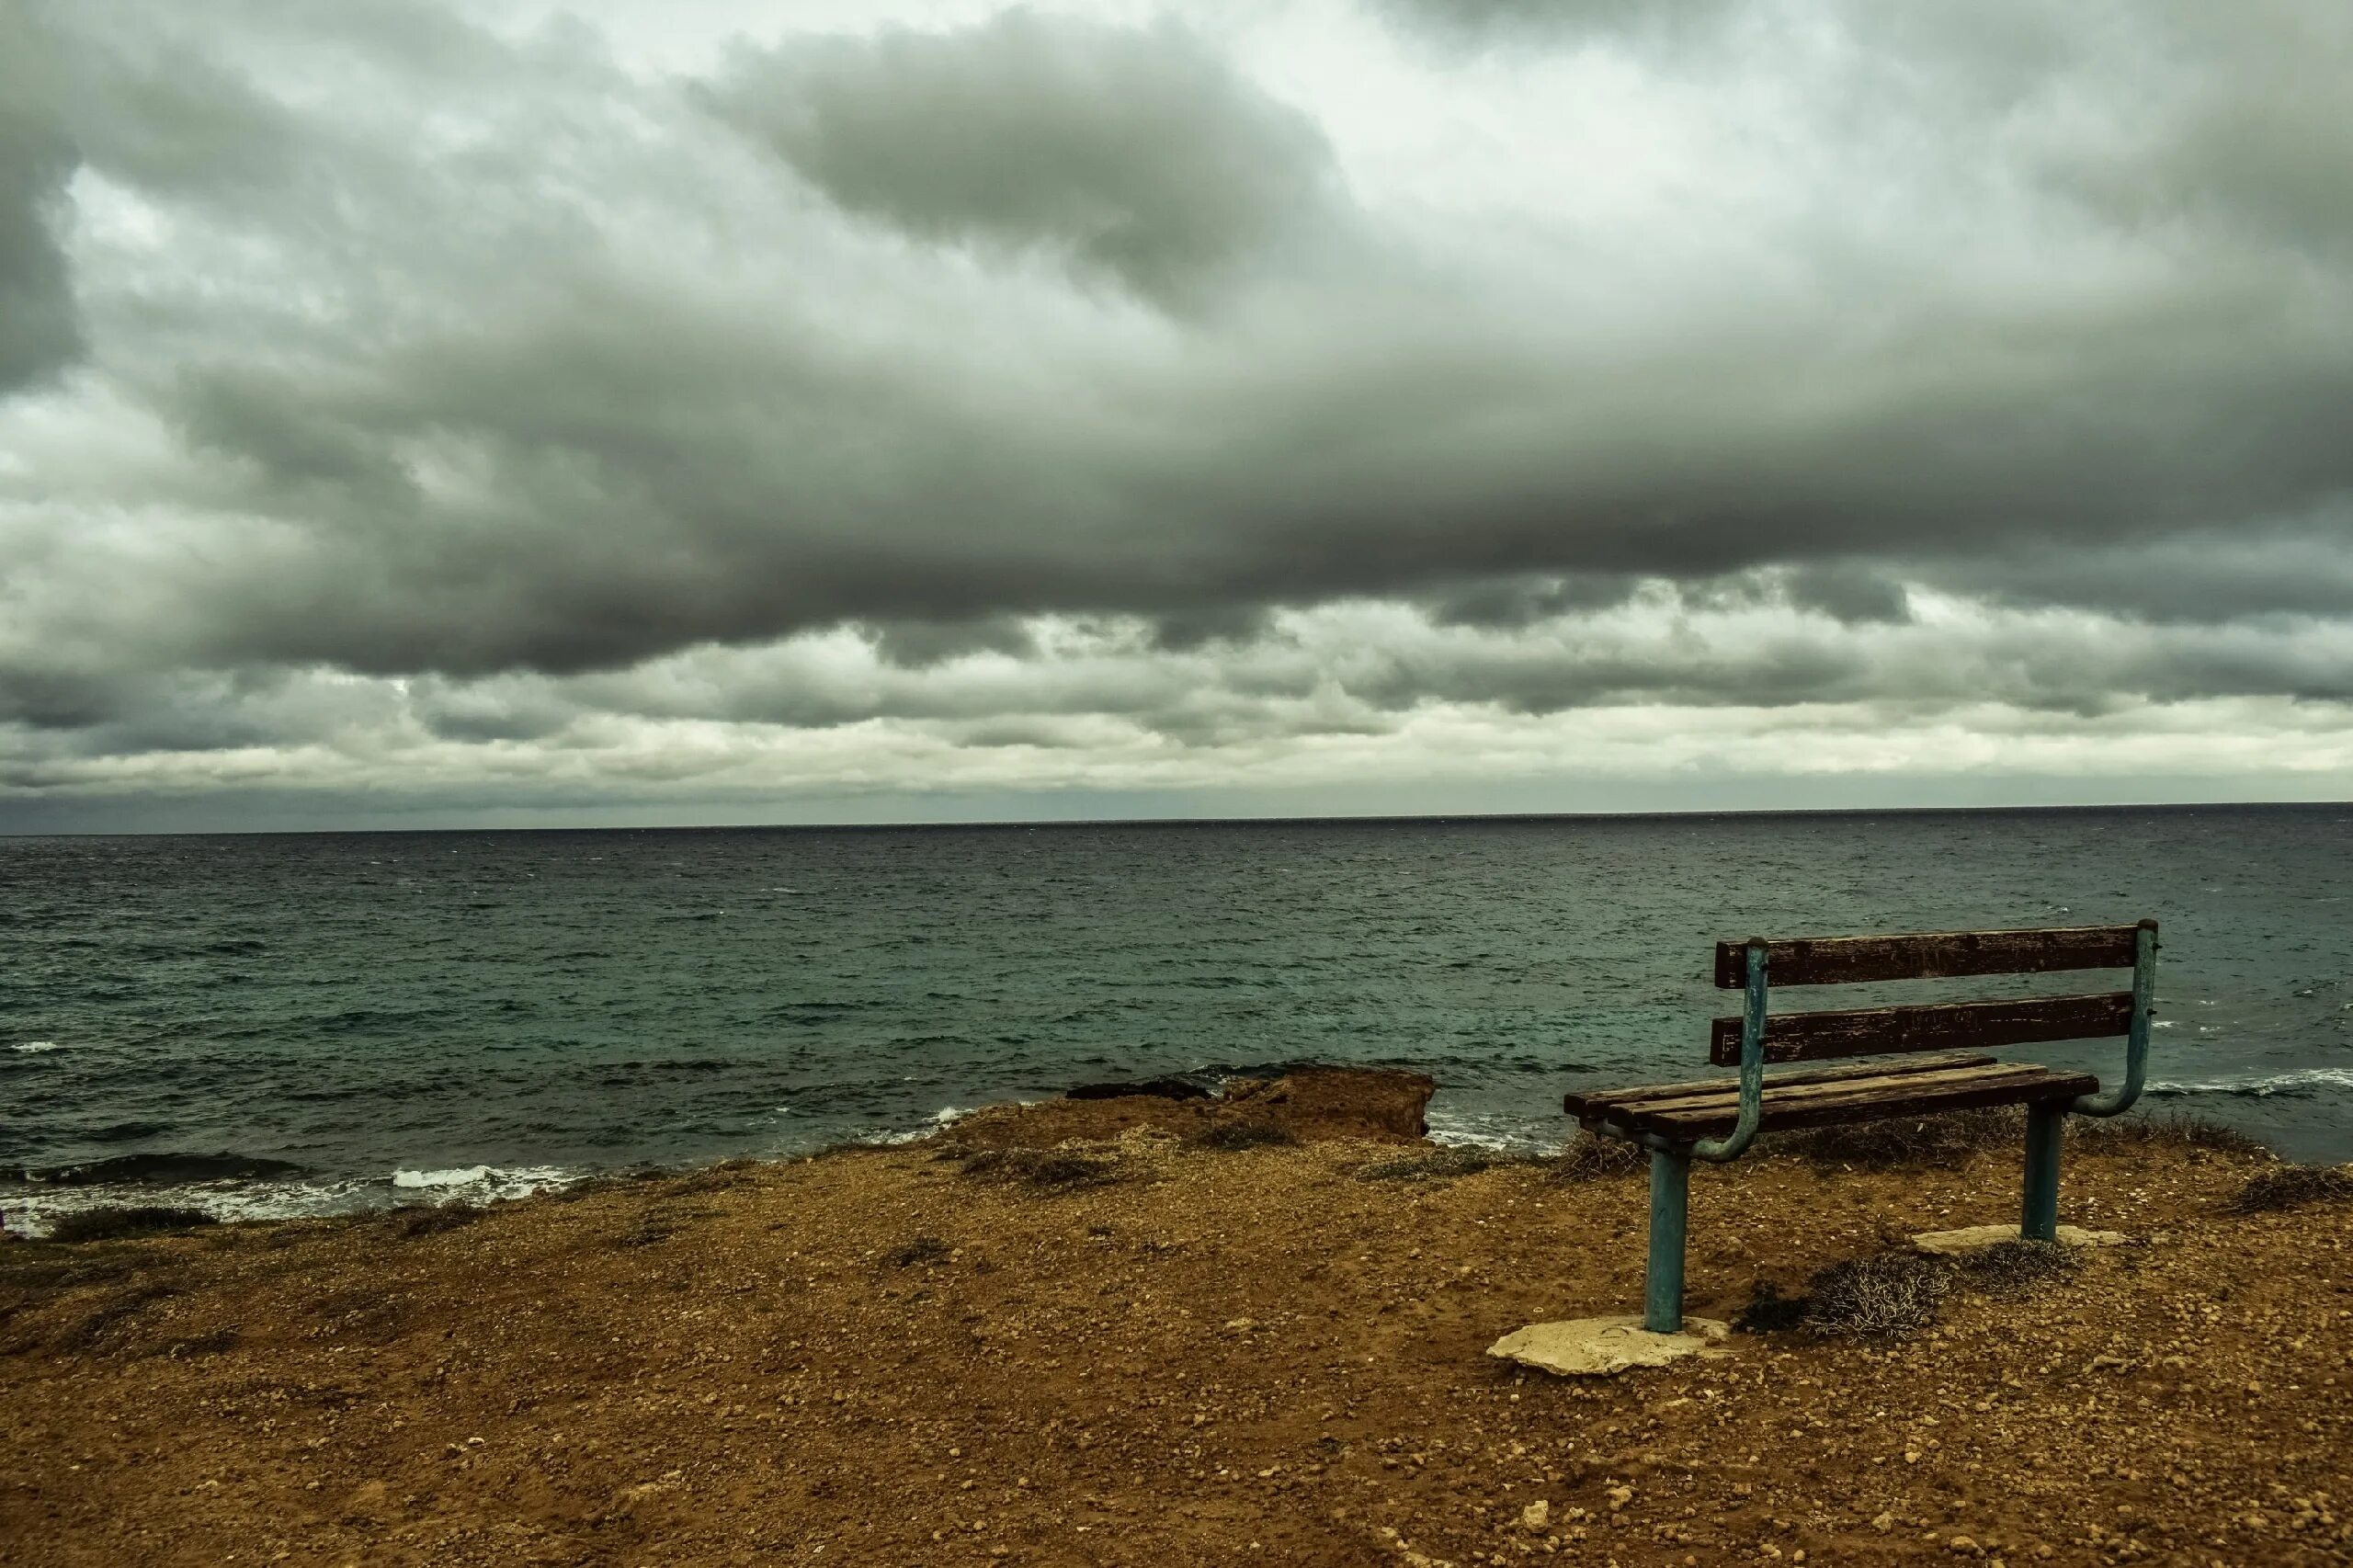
<point>1599,1347</point>
<point>1977,1238</point>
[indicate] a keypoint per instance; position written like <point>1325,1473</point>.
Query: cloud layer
<point>387,391</point>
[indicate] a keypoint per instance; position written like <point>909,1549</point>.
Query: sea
<point>265,1025</point>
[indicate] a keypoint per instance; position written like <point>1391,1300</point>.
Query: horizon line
<point>1304,820</point>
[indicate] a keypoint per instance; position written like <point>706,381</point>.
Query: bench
<point>1717,1119</point>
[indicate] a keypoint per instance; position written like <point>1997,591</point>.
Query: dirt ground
<point>1180,1355</point>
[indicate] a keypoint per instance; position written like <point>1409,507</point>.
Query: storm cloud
<point>1164,395</point>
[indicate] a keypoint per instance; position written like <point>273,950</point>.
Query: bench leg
<point>1670,1212</point>
<point>2039,1215</point>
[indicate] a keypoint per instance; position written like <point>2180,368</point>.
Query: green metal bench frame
<point>1927,956</point>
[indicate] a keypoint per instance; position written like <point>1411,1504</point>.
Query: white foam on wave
<point>945,1116</point>
<point>36,1047</point>
<point>30,1211</point>
<point>1497,1131</point>
<point>2296,1085</point>
<point>482,1182</point>
<point>457,1177</point>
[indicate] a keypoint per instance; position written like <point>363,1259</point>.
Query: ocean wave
<point>1501,1131</point>
<point>2301,1083</point>
<point>945,1116</point>
<point>482,1183</point>
<point>31,1209</point>
<point>36,1047</point>
<point>165,1167</point>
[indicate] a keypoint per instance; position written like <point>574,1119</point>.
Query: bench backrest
<point>1933,955</point>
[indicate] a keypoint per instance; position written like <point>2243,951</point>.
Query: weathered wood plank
<point>1894,1100</point>
<point>1944,1026</point>
<point>1928,954</point>
<point>1795,1094</point>
<point>1589,1103</point>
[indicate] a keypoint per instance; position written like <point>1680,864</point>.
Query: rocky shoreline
<point>1152,1329</point>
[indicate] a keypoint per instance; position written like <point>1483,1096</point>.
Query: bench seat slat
<point>1928,954</point>
<point>1940,1026</point>
<point>1858,1098</point>
<point>1783,1095</point>
<point>1593,1103</point>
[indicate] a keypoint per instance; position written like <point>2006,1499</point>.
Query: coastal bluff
<point>1148,1340</point>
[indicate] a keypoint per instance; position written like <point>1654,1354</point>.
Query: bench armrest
<point>2136,1042</point>
<point>1732,1144</point>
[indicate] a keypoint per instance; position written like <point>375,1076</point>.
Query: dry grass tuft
<point>1879,1297</point>
<point>1589,1157</point>
<point>433,1218</point>
<point>2172,1130</point>
<point>1892,1294</point>
<point>1905,1142</point>
<point>1232,1137</point>
<point>1045,1170</point>
<point>2013,1268</point>
<point>2292,1186</point>
<point>111,1224</point>
<point>1458,1160</point>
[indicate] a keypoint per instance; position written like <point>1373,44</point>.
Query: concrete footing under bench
<point>1597,1348</point>
<point>1977,1238</point>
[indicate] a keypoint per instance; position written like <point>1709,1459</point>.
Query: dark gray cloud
<point>1139,154</point>
<point>39,328</point>
<point>1540,22</point>
<point>453,386</point>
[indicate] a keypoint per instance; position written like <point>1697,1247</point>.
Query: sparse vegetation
<point>1230,1137</point>
<point>1905,1142</point>
<point>2015,1268</point>
<point>131,1220</point>
<point>2170,1129</point>
<point>1047,1170</point>
<point>1892,1294</point>
<point>2292,1186</point>
<point>1955,1138</point>
<point>1459,1160</point>
<point>1588,1157</point>
<point>431,1219</point>
<point>1878,1297</point>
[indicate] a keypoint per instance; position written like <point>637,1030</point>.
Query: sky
<point>424,413</point>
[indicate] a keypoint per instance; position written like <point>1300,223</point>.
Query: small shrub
<point>2015,1268</point>
<point>1905,1142</point>
<point>109,1225</point>
<point>923,1249</point>
<point>2173,1129</point>
<point>2292,1186</point>
<point>431,1219</point>
<point>1232,1137</point>
<point>1878,1297</point>
<point>1590,1157</point>
<point>1458,1160</point>
<point>1047,1170</point>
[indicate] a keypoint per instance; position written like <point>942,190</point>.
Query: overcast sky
<point>417,411</point>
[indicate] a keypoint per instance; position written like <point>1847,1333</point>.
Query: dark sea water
<point>362,1018</point>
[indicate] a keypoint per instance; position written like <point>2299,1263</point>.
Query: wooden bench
<point>1716,1118</point>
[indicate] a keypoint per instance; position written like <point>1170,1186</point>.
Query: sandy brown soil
<point>1245,1357</point>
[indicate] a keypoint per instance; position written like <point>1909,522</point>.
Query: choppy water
<point>359,1018</point>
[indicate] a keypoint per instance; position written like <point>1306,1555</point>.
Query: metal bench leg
<point>1670,1214</point>
<point>2039,1216</point>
